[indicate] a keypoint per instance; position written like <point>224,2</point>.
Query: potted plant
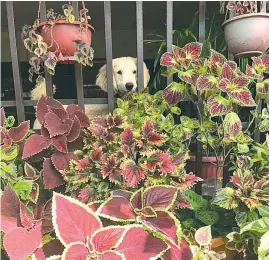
<point>220,128</point>
<point>246,29</point>
<point>61,38</point>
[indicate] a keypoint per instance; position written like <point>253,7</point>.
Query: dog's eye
<point>134,71</point>
<point>119,72</point>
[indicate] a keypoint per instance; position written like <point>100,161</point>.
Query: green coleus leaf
<point>189,122</point>
<point>7,169</point>
<point>9,153</point>
<point>208,217</point>
<point>176,110</point>
<point>23,188</point>
<point>263,210</point>
<point>225,199</point>
<point>197,201</point>
<point>260,225</point>
<point>242,148</point>
<point>264,125</point>
<point>9,122</point>
<point>263,250</point>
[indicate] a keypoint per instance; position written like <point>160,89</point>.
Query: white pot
<point>247,35</point>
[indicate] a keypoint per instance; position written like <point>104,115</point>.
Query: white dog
<point>124,80</point>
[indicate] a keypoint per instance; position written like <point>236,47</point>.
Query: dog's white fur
<point>124,71</point>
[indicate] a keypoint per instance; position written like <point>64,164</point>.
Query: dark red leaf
<point>168,60</point>
<point>26,216</point>
<point>179,253</point>
<point>34,145</point>
<point>74,132</point>
<point>51,177</point>
<point>55,125</point>
<point>42,107</point>
<point>61,160</point>
<point>10,209</point>
<point>60,143</point>
<point>117,208</point>
<point>71,109</point>
<point>132,173</point>
<point>188,181</point>
<point>75,145</point>
<point>83,119</point>
<point>136,200</point>
<point>60,112</point>
<point>19,133</point>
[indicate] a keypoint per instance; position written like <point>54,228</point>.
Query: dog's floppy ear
<point>101,79</point>
<point>40,90</point>
<point>146,75</point>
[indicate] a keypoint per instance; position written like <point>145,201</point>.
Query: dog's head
<point>124,75</point>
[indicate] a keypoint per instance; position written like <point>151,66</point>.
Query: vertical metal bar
<point>78,68</point>
<point>15,62</point>
<point>109,72</point>
<point>169,31</point>
<point>139,41</point>
<point>199,145</point>
<point>43,17</point>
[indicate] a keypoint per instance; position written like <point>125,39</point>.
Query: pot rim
<point>245,16</point>
<point>205,158</point>
<point>65,22</point>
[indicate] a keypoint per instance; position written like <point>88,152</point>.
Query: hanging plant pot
<point>247,35</point>
<point>61,36</point>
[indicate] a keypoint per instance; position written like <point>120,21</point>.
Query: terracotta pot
<point>218,245</point>
<point>60,37</point>
<point>209,168</point>
<point>247,35</point>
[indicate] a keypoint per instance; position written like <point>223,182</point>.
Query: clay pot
<point>209,168</point>
<point>247,35</point>
<point>61,35</point>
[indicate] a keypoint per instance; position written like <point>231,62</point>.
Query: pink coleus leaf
<point>203,236</point>
<point>71,109</point>
<point>2,117</point>
<point>174,92</point>
<point>216,62</point>
<point>232,124</point>
<point>42,107</point>
<point>55,125</point>
<point>189,76</point>
<point>181,202</point>
<point>61,160</point>
<point>262,88</point>
<point>127,137</point>
<point>206,82</point>
<point>136,200</point>
<point>107,238</point>
<point>75,251</point>
<point>219,106</point>
<point>74,131</point>
<point>20,243</point>
<point>132,173</point>
<point>118,209</point>
<point>29,170</point>
<point>19,133</point>
<point>111,255</point>
<point>168,60</point>
<point>34,145</point>
<point>188,181</point>
<point>26,216</point>
<point>161,162</point>
<point>40,254</point>
<point>251,72</point>
<point>227,72</point>
<point>182,252</point>
<point>122,193</point>
<point>160,197</point>
<point>148,212</point>
<point>243,97</point>
<point>51,177</point>
<point>60,143</point>
<point>73,221</point>
<point>145,248</point>
<point>10,209</point>
<point>193,50</point>
<point>164,223</point>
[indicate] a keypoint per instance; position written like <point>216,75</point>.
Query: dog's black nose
<point>129,86</point>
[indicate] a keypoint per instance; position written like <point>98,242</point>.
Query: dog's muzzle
<point>129,86</point>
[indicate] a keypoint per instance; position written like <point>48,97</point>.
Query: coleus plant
<point>115,155</point>
<point>60,136</point>
<point>202,248</point>
<point>86,237</point>
<point>22,177</point>
<point>41,56</point>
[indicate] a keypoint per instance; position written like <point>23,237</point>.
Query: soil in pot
<point>61,36</point>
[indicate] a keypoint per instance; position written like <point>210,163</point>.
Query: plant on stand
<point>61,38</point>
